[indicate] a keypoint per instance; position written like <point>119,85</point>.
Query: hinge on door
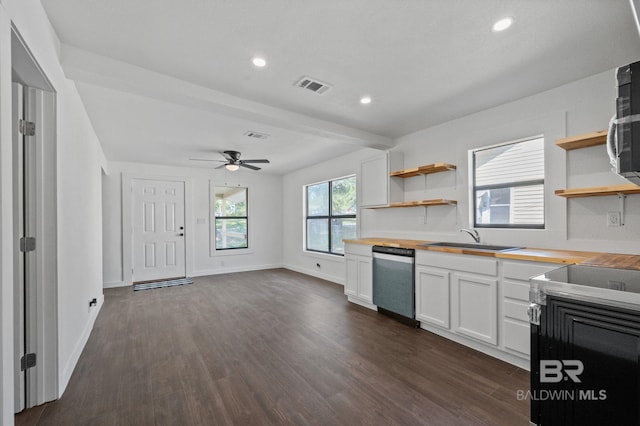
<point>27,361</point>
<point>27,128</point>
<point>27,244</point>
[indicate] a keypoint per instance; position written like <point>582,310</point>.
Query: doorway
<point>35,224</point>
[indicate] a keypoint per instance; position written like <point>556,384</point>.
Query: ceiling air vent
<point>314,85</point>
<point>256,135</point>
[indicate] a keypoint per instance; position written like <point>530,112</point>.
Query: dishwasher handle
<point>394,251</point>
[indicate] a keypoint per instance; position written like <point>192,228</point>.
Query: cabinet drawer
<point>525,270</point>
<point>358,249</point>
<point>515,309</point>
<point>516,290</point>
<point>516,336</point>
<point>458,262</point>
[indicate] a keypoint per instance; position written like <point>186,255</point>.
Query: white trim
<point>232,252</point>
<point>316,274</point>
<point>65,374</point>
<point>325,256</point>
<point>127,224</point>
<point>489,350</point>
<point>114,284</point>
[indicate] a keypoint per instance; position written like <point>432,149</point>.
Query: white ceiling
<point>166,80</point>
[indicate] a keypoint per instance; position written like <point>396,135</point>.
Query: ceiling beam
<point>84,66</point>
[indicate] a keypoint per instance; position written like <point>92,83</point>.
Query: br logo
<point>554,371</point>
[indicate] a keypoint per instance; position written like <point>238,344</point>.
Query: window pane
<point>519,205</point>
<point>341,229</point>
<point>318,234</point>
<point>230,201</point>
<point>318,199</point>
<point>343,196</point>
<point>517,162</point>
<point>231,233</point>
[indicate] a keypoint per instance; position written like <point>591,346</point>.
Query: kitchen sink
<point>475,246</point>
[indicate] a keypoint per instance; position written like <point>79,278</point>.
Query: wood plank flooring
<point>273,347</point>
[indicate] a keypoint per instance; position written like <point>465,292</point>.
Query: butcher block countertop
<point>566,257</point>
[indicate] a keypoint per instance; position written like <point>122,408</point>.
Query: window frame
<point>215,217</point>
<point>329,217</point>
<point>474,188</point>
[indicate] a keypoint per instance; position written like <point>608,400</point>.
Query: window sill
<point>325,256</point>
<point>231,252</point>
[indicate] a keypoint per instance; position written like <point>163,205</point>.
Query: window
<point>231,217</point>
<point>330,214</point>
<point>508,185</point>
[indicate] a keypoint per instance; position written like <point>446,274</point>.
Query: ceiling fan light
<point>232,167</point>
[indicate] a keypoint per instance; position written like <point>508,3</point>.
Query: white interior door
<point>158,230</point>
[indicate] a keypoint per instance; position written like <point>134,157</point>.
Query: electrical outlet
<point>613,218</point>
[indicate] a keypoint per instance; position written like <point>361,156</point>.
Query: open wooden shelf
<point>423,170</point>
<point>583,141</point>
<point>423,203</point>
<point>599,191</point>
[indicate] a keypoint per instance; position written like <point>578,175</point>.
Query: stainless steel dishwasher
<point>393,283</point>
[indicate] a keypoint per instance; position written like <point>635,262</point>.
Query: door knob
<point>181,235</point>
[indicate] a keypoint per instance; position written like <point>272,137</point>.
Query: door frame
<point>42,381</point>
<point>127,222</point>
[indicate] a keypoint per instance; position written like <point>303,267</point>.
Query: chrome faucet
<point>474,234</point>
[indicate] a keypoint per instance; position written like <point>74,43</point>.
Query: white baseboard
<point>219,271</point>
<point>65,375</point>
<point>114,284</point>
<point>316,274</point>
<point>481,347</point>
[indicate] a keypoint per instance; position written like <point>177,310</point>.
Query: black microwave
<point>625,145</point>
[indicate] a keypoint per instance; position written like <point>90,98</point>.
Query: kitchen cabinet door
<point>376,187</point>
<point>433,296</point>
<point>351,282</point>
<point>365,279</point>
<point>475,311</point>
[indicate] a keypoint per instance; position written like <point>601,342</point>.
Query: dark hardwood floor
<point>273,347</point>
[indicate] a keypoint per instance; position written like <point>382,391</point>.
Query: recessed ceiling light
<point>259,62</point>
<point>502,24</point>
<point>365,100</point>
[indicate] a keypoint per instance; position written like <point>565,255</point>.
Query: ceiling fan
<point>233,161</point>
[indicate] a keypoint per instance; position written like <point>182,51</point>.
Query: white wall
<point>331,267</point>
<point>582,106</point>
<point>579,107</point>
<point>265,223</point>
<point>79,161</point>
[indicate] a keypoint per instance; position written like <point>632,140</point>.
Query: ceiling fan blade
<point>226,155</point>
<point>249,166</point>
<point>220,166</point>
<point>204,159</point>
<point>263,160</point>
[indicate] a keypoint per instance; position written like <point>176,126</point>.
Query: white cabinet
<point>458,292</point>
<point>359,281</point>
<point>433,291</point>
<point>475,310</point>
<point>515,300</point>
<point>376,188</point>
